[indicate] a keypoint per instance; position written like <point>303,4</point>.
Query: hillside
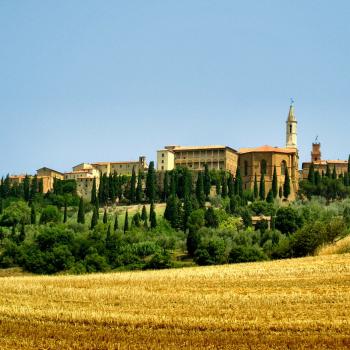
<point>300,303</point>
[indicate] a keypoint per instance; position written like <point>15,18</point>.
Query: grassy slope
<point>300,303</point>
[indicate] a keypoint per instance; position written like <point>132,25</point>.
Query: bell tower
<point>291,128</point>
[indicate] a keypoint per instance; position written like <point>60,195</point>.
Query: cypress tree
<point>218,187</point>
<point>166,186</point>
<point>32,215</point>
<point>262,187</point>
<point>41,186</point>
<point>187,212</point>
<point>224,186</point>
<point>93,192</point>
<point>26,188</point>
<point>126,222</point>
<point>207,181</point>
<point>187,183</point>
<point>33,187</point>
<point>347,179</point>
<point>136,220</point>
<point>286,186</point>
<point>349,165</point>
<point>139,188</point>
<point>172,184</point>
<point>144,215</point>
<point>334,174</point>
<point>132,191</point>
<point>317,178</point>
<point>152,217</point>
<point>1,206</point>
<point>94,218</point>
<point>328,171</point>
<point>280,192</point>
<point>200,190</point>
<point>81,212</point>
<point>116,225</point>
<point>233,205</point>
<point>65,213</point>
<point>311,175</point>
<point>230,185</point>
<point>256,189</point>
<point>238,183</point>
<point>151,183</point>
<point>105,218</point>
<point>269,198</point>
<point>274,183</point>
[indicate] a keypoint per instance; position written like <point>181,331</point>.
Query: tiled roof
<point>267,149</point>
<point>198,148</point>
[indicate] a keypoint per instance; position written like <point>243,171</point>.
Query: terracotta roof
<point>325,162</point>
<point>267,149</point>
<point>45,168</point>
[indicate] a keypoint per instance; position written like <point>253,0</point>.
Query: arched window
<point>283,167</point>
<point>245,168</point>
<point>263,167</point>
<point>290,128</point>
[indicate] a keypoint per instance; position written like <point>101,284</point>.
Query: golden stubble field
<point>294,304</point>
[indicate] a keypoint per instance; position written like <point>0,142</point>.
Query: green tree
<point>126,222</point>
<point>328,171</point>
<point>1,206</point>
<point>50,214</point>
<point>238,183</point>
<point>93,192</point>
<point>334,173</point>
<point>171,212</point>
<point>211,219</point>
<point>32,215</point>
<point>230,186</point>
<point>286,185</point>
<point>132,190</point>
<point>81,212</point>
<point>280,192</point>
<point>200,190</point>
<point>274,183</point>
<point>65,212</point>
<point>166,186</point>
<point>94,218</point>
<point>33,187</point>
<point>144,216</point>
<point>153,217</point>
<point>311,175</point>
<point>105,217</point>
<point>262,194</point>
<point>139,187</point>
<point>151,183</point>
<point>26,188</point>
<point>116,224</point>
<point>206,182</point>
<point>256,189</point>
<point>187,212</point>
<point>224,186</point>
<point>269,198</point>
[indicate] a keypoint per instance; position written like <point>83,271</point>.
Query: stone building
<point>195,157</point>
<point>46,175</point>
<point>258,160</point>
<point>341,166</point>
<point>121,168</point>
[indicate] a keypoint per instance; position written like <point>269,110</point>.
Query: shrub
<point>211,252</point>
<point>287,220</point>
<point>243,253</point>
<point>50,214</point>
<point>160,260</point>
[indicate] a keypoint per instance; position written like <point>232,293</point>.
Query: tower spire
<point>291,127</point>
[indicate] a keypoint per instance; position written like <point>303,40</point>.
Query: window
<point>283,167</point>
<point>162,167</point>
<point>163,155</point>
<point>162,161</point>
<point>263,167</point>
<point>245,168</point>
<point>290,128</point>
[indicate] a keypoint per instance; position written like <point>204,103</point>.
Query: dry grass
<point>294,304</point>
<point>340,247</point>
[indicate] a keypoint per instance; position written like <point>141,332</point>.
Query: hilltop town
<point>252,162</point>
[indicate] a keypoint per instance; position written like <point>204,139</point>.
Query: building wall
<point>165,160</point>
<point>340,168</point>
<point>84,186</point>
<point>195,158</point>
<point>250,164</point>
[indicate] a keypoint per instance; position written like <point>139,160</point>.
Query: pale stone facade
<point>195,157</point>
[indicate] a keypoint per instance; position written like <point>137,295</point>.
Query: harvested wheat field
<point>294,304</point>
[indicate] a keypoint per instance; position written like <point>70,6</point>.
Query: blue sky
<point>111,80</point>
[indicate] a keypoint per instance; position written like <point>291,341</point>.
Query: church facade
<point>254,162</point>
